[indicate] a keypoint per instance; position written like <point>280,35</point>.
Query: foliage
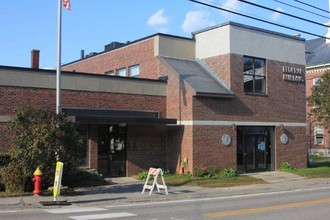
<point>320,100</point>
<point>229,172</point>
<point>37,135</point>
<point>4,159</point>
<point>209,172</point>
<point>286,167</point>
<point>142,175</point>
<point>85,178</point>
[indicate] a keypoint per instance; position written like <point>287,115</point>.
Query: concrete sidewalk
<point>128,190</point>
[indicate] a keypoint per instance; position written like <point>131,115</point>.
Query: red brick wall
<point>295,151</point>
<point>284,100</point>
<point>146,147</point>
<point>14,96</point>
<point>209,150</point>
<point>141,53</point>
<point>179,106</point>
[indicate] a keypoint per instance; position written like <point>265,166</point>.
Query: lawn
<point>220,181</point>
<point>320,168</point>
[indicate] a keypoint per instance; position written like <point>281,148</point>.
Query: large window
<point>121,72</point>
<point>318,134</point>
<point>134,71</point>
<point>254,75</point>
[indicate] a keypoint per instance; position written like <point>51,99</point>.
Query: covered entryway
<point>112,150</point>
<point>255,150</point>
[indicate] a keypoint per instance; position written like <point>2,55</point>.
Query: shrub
<point>4,159</point>
<point>37,135</point>
<point>85,178</point>
<point>286,167</point>
<point>229,172</point>
<point>142,175</point>
<point>209,172</point>
<point>199,172</point>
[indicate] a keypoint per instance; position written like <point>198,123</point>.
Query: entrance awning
<point>104,116</point>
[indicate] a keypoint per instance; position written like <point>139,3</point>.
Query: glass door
<point>112,150</point>
<point>117,151</point>
<point>255,152</point>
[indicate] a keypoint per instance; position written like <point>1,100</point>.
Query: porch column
<point>93,147</point>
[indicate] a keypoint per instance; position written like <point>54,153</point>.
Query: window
<point>121,72</point>
<point>316,81</point>
<point>111,73</point>
<point>318,134</point>
<point>134,71</point>
<point>254,75</point>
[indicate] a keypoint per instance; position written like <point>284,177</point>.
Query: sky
<point>90,25</point>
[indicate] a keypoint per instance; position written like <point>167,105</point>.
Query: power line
<point>258,19</point>
<point>312,6</point>
<point>301,9</point>
<point>281,12</point>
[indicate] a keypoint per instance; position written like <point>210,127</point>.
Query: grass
<point>220,181</point>
<point>320,168</point>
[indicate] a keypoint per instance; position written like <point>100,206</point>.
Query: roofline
<point>317,66</point>
<point>128,44</point>
<point>247,27</point>
<point>51,71</point>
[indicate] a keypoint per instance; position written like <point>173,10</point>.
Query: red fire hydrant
<point>37,181</point>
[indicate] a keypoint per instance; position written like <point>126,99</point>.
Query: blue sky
<point>32,24</point>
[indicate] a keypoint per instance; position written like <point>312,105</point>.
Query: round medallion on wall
<point>284,138</point>
<point>226,139</point>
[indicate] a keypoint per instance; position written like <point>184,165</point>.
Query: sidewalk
<point>128,190</point>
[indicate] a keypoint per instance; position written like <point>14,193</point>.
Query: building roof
<point>198,77</point>
<point>317,52</point>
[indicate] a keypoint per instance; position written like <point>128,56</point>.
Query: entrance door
<point>112,150</point>
<point>255,152</point>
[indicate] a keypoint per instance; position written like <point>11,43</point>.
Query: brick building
<point>317,63</point>
<point>230,96</point>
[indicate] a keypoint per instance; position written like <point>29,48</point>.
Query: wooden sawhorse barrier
<point>155,172</point>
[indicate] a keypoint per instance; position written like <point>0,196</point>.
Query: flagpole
<point>58,70</point>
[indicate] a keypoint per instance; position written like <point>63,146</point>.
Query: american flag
<point>67,4</point>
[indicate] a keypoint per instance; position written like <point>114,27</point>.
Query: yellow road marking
<point>267,208</point>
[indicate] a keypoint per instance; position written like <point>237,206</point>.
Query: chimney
<point>82,54</point>
<point>35,59</point>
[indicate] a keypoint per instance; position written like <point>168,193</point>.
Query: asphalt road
<point>297,204</point>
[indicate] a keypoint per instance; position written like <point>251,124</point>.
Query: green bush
<point>286,167</point>
<point>229,172</point>
<point>85,178</point>
<point>199,172</point>
<point>209,172</point>
<point>142,175</point>
<point>37,135</point>
<point>4,159</point>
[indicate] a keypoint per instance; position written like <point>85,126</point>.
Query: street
<point>297,204</point>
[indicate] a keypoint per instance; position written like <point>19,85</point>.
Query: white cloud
<point>158,19</point>
<point>196,20</point>
<point>275,16</point>
<point>232,4</point>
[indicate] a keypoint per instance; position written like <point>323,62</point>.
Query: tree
<point>37,136</point>
<point>319,101</point>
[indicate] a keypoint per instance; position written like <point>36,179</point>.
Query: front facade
<point>233,96</point>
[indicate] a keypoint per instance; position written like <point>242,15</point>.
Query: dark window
<point>254,75</point>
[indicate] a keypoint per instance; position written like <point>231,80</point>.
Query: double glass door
<point>112,150</point>
<point>255,152</point>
